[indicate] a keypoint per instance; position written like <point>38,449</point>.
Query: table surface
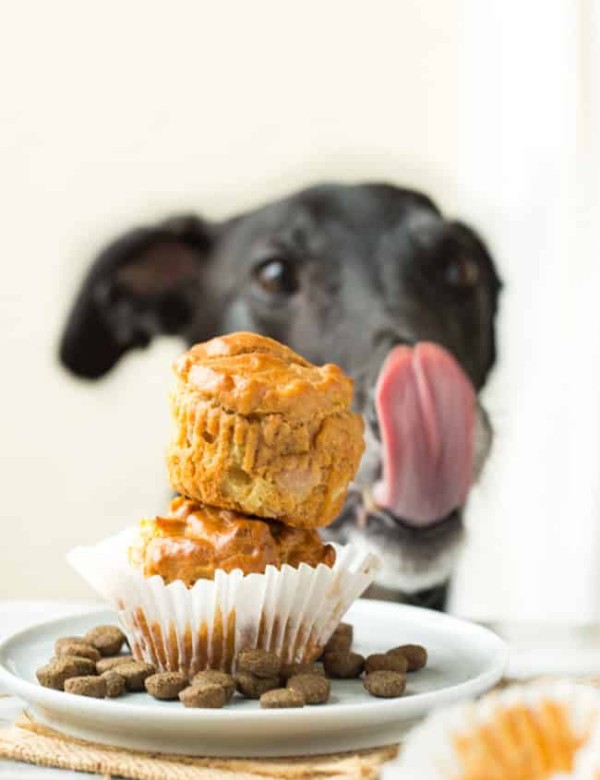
<point>536,650</point>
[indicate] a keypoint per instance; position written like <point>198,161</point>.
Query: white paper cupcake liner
<point>292,612</point>
<point>541,730</point>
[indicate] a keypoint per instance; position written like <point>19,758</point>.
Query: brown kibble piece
<point>253,687</point>
<point>291,670</point>
<point>261,663</point>
<point>104,664</point>
<point>69,640</point>
<point>344,665</point>
<point>86,686</point>
<point>281,698</point>
<point>85,666</point>
<point>215,677</point>
<point>79,648</point>
<point>107,639</point>
<point>338,643</point>
<point>345,629</point>
<point>115,684</point>
<point>165,685</point>
<point>314,688</point>
<point>386,662</point>
<point>416,656</point>
<point>210,696</point>
<point>135,673</point>
<point>385,685</point>
<point>55,673</point>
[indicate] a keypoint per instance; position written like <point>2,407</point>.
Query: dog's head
<point>348,274</point>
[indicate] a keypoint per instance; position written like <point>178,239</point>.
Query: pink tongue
<point>426,409</point>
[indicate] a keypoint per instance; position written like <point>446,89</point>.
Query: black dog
<point>340,273</point>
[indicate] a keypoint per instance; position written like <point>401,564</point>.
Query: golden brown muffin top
<point>194,540</point>
<point>250,374</point>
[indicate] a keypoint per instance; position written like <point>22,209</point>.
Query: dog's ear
<point>145,283</point>
<point>466,241</point>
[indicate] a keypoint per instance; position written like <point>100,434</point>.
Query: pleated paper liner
<point>526,732</point>
<point>292,612</point>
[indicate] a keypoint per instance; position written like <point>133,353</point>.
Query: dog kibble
<point>135,673</point>
<point>209,696</point>
<point>165,685</point>
<point>345,629</point>
<point>107,639</point>
<point>79,648</point>
<point>215,677</point>
<point>105,664</point>
<point>281,698</point>
<point>385,685</point>
<point>85,666</point>
<point>338,643</point>
<point>94,687</point>
<point>344,665</point>
<point>55,673</point>
<point>93,666</point>
<point>115,684</point>
<point>68,640</point>
<point>252,687</point>
<point>314,688</point>
<point>291,670</point>
<point>416,656</point>
<point>261,663</point>
<point>384,662</point>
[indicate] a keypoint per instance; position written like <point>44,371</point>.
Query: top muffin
<point>245,373</point>
<point>262,431</point>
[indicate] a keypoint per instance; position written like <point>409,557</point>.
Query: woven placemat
<point>34,743</point>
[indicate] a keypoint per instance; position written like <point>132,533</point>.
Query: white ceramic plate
<point>464,660</point>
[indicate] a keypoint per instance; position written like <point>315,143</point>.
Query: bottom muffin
<point>291,607</point>
<point>192,541</point>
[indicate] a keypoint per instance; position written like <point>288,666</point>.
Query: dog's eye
<point>462,272</point>
<point>277,276</point>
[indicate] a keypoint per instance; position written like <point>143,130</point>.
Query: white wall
<point>112,113</point>
<point>529,152</point>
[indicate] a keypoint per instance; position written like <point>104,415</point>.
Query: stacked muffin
<point>194,540</point>
<point>265,445</point>
<point>264,448</point>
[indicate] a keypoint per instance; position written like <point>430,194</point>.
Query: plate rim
<point>402,708</point>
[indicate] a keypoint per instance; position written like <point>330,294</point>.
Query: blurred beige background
<point>115,113</point>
